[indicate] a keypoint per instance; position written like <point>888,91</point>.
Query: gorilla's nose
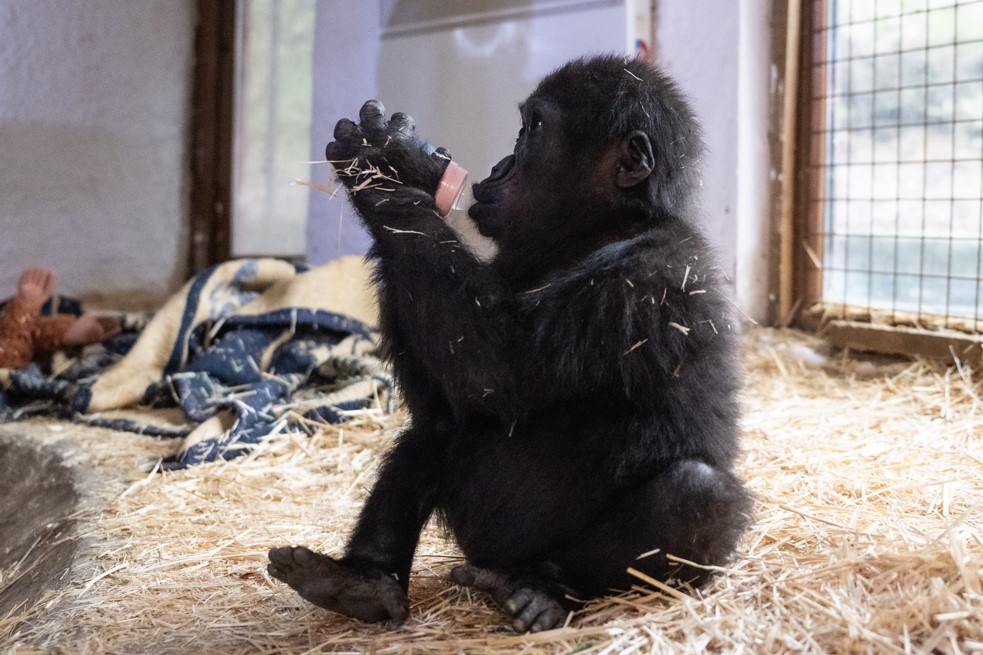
<point>501,169</point>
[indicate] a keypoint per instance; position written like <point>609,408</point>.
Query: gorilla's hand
<point>384,157</point>
<point>360,592</point>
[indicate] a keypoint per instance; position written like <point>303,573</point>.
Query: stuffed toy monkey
<point>26,335</point>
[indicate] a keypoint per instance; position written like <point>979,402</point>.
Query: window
<point>890,199</point>
<point>274,42</point>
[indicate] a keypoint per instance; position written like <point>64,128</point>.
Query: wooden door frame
<point>211,146</point>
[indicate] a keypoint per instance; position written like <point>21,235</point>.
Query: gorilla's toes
<point>310,574</point>
<point>284,564</point>
<point>363,592</point>
<point>281,563</point>
<point>534,610</point>
<point>531,606</point>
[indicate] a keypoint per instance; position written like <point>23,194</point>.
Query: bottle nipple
<point>453,190</point>
<point>464,199</point>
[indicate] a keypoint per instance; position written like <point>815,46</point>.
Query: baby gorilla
<point>573,402</point>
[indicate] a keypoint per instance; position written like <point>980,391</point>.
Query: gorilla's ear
<point>635,160</point>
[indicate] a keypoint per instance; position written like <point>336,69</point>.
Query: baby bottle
<point>453,190</point>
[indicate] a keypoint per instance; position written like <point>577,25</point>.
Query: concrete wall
<point>94,111</point>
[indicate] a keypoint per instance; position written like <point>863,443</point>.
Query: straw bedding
<point>869,480</point>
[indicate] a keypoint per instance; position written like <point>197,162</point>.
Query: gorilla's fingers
<point>531,608</point>
<point>344,159</point>
<point>345,130</point>
<point>549,618</point>
<point>519,601</point>
<point>346,146</point>
<point>372,118</point>
<point>402,123</point>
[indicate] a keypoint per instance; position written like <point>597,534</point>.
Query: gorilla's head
<point>607,147</point>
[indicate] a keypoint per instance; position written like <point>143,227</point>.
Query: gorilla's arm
<point>667,325</point>
<point>449,310</point>
<point>459,323</point>
<point>620,319</point>
<point>441,306</point>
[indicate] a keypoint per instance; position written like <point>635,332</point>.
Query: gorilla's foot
<point>532,605</point>
<point>360,592</point>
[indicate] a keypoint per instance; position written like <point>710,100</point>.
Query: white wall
<point>94,111</point>
<point>719,53</point>
<point>754,166</point>
<point>346,55</point>
<point>452,66</point>
<point>479,70</point>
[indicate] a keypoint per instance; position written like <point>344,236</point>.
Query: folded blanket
<point>245,349</point>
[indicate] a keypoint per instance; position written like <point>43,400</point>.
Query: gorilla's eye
<point>535,123</point>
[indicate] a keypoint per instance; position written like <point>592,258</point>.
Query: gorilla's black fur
<point>573,402</point>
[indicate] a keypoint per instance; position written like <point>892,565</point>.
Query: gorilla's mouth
<point>484,191</point>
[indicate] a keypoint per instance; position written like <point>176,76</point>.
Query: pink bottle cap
<point>450,187</point>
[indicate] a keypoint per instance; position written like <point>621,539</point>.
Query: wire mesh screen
<point>897,159</point>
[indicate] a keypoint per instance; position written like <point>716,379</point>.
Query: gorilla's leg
<point>371,580</point>
<point>690,510</point>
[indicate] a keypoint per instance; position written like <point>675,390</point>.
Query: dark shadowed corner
<point>37,540</point>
